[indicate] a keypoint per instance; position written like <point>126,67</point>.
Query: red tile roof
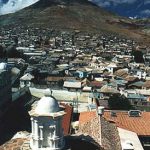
<point>99,130</point>
<point>139,125</point>
<point>86,117</point>
<point>97,84</point>
<point>66,122</point>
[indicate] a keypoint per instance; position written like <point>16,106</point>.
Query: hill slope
<point>72,14</point>
<point>77,13</point>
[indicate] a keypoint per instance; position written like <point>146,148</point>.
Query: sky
<point>117,2</point>
<point>127,7</point>
<point>14,5</point>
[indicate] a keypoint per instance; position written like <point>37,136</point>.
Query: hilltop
<point>73,14</point>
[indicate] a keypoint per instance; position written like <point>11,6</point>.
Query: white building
<point>47,132</point>
<point>25,81</point>
<point>129,140</point>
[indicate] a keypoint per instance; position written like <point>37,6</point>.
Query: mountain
<point>128,8</point>
<point>60,14</point>
<point>73,14</point>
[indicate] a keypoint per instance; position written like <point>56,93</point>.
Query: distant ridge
<point>46,3</point>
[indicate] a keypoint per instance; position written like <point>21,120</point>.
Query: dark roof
<point>80,142</point>
<point>147,84</point>
<point>54,78</point>
<point>71,143</point>
<point>14,144</point>
<point>97,84</point>
<point>137,84</point>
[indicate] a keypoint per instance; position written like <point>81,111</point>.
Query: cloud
<point>102,3</point>
<point>146,12</point>
<point>147,2</point>
<point>14,5</point>
<point>106,3</point>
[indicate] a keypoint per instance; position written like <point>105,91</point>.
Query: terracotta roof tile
<point>92,129</point>
<point>121,73</point>
<point>66,122</point>
<point>86,117</point>
<point>99,130</point>
<point>130,78</point>
<point>97,84</point>
<point>139,125</point>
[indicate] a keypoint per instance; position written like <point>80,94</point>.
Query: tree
<point>138,56</point>
<point>119,102</point>
<point>2,52</point>
<point>12,52</point>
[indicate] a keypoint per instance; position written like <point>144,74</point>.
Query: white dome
<point>47,105</point>
<point>3,66</point>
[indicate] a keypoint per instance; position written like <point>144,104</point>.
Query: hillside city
<point>74,75</point>
<point>99,84</point>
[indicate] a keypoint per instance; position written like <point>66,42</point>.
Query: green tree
<point>119,102</point>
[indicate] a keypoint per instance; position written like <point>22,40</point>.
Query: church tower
<point>47,132</point>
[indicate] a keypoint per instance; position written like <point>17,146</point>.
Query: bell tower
<point>47,132</point>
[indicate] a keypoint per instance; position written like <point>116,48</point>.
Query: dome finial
<point>47,105</point>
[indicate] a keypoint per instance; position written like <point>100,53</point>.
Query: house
<point>134,97</point>
<point>131,79</point>
<point>138,123</point>
<point>57,72</point>
<point>15,73</point>
<point>86,89</point>
<point>141,74</point>
<point>81,73</point>
<point>102,131</point>
<point>73,85</point>
<point>53,81</point>
<point>96,74</point>
<point>26,80</point>
<point>121,73</point>
<point>136,85</point>
<point>78,63</point>
<point>108,90</point>
<point>120,84</point>
<point>129,140</point>
<point>95,97</point>
<point>146,85</point>
<point>111,67</point>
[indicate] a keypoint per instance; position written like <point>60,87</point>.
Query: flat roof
<point>129,137</point>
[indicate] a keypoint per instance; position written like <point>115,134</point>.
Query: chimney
<point>100,110</point>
